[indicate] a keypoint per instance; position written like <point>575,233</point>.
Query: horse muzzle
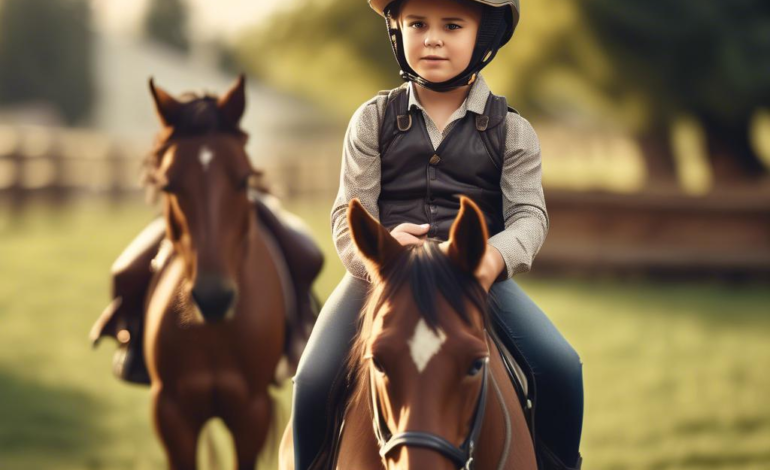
<point>215,296</point>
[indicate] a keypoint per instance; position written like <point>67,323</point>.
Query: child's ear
<point>375,244</point>
<point>468,236</point>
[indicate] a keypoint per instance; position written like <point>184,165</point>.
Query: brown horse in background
<point>216,309</point>
<point>429,387</point>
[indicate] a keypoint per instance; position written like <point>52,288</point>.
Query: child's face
<point>439,28</point>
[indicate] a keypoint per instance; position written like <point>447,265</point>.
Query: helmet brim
<point>380,5</point>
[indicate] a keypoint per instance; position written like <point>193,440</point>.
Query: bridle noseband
<point>461,456</point>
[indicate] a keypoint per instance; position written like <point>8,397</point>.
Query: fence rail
<point>55,164</point>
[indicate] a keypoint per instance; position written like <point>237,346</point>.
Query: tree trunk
<point>659,159</point>
<point>734,161</point>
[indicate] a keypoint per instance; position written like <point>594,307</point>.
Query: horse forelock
<point>198,116</point>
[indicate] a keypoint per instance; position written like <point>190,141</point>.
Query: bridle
<point>461,456</point>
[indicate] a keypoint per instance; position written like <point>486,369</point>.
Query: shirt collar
<point>475,102</point>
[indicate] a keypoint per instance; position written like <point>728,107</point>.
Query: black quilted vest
<point>420,185</point>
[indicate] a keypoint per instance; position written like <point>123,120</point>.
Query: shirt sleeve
<point>526,219</point>
<point>359,178</point>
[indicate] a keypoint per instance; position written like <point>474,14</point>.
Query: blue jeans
<point>555,366</point>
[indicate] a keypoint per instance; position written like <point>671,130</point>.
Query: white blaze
<point>205,157</point>
<point>424,344</point>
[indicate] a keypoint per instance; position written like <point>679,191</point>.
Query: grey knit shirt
<point>526,219</point>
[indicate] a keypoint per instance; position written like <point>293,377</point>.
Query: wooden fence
<point>592,231</point>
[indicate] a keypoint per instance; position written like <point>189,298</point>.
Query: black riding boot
<point>123,319</point>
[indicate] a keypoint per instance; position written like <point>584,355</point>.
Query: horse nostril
<point>214,296</point>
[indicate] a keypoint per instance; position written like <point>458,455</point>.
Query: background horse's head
<point>422,352</point>
<point>201,166</point>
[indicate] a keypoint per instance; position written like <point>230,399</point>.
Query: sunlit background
<point>654,121</point>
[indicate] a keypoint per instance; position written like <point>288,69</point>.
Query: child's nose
<point>433,40</point>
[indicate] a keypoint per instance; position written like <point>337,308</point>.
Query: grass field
<point>677,375</point>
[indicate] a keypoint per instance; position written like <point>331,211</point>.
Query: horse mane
<point>429,273</point>
<point>199,115</point>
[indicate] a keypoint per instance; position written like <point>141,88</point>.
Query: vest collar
<point>475,102</point>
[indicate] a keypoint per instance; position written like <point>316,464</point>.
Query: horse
<point>428,386</point>
<point>216,307</point>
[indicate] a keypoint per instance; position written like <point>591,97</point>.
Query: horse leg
<point>178,431</point>
<point>249,430</point>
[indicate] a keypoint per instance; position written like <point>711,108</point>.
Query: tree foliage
<point>635,64</point>
<point>708,59</point>
<point>338,53</point>
<point>45,54</point>
<point>166,22</point>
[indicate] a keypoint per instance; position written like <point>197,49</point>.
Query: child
<point>407,154</point>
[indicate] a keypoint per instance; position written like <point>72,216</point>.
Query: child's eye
<point>416,24</point>
<point>450,26</point>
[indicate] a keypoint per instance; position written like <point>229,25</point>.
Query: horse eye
<point>244,183</point>
<point>377,365</point>
<point>476,367</point>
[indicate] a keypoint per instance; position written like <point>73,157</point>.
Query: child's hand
<point>410,234</point>
<point>490,268</point>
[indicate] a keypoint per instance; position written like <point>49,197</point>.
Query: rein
<point>462,456</point>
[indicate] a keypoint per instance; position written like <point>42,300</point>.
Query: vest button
<point>434,160</point>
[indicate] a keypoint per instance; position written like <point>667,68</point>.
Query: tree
<point>336,53</point>
<point>45,54</point>
<point>166,22</point>
<point>708,59</point>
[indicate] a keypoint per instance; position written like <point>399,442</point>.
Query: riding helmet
<point>498,21</point>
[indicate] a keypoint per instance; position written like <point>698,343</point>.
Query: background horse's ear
<point>165,105</point>
<point>468,236</point>
<point>233,103</point>
<point>374,242</point>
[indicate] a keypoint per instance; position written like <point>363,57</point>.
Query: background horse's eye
<point>377,365</point>
<point>476,367</point>
<point>244,183</point>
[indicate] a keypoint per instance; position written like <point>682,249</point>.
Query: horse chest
<point>179,343</point>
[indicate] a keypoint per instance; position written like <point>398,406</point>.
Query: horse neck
<point>264,256</point>
<point>261,247</point>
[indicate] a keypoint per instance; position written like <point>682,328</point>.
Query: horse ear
<point>166,106</point>
<point>233,103</point>
<point>373,241</point>
<point>468,236</point>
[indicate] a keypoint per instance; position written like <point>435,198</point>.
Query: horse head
<point>201,166</point>
<point>422,352</point>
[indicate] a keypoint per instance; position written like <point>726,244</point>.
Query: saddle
<point>520,374</point>
<point>133,271</point>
